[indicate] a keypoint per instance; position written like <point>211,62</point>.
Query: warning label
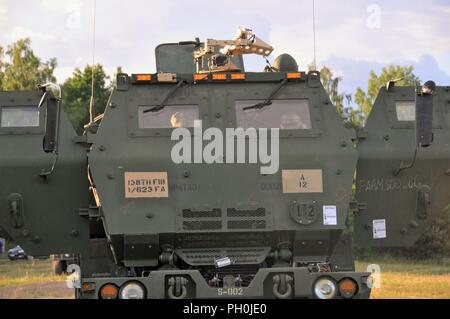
<point>146,184</point>
<point>302,181</point>
<point>379,228</point>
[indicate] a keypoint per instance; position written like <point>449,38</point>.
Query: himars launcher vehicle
<point>147,226</point>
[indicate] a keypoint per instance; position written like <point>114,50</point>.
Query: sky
<point>352,36</point>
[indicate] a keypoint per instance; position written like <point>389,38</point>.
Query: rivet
<point>218,116</point>
<point>403,230</point>
<point>338,171</point>
<point>25,233</point>
<point>101,148</point>
<point>186,174</point>
<point>36,239</point>
<point>413,224</point>
<point>75,233</point>
<point>149,215</point>
<point>386,137</point>
<point>110,176</point>
<point>343,143</point>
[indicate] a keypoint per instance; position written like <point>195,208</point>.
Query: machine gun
<point>245,42</point>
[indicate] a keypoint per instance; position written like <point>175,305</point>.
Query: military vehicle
<point>144,226</point>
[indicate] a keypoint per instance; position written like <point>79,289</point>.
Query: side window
<point>282,114</point>
<point>19,116</point>
<point>405,110</point>
<point>171,116</point>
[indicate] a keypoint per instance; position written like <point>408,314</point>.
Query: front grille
<point>233,212</point>
<point>242,255</point>
<point>246,224</point>
<point>202,225</point>
<point>192,220</point>
<point>215,212</point>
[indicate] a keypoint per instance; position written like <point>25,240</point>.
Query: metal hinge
<point>91,212</point>
<point>356,207</point>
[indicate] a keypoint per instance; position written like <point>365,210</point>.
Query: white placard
<point>329,215</point>
<point>379,228</point>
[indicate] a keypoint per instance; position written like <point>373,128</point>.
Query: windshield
<point>171,116</point>
<point>282,114</point>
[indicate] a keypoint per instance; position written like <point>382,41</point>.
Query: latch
<point>16,210</point>
<point>423,204</point>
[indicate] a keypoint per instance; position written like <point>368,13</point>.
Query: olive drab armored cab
<point>40,202</point>
<point>403,185</point>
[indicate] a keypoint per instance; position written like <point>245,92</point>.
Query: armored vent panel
<point>242,255</point>
<point>201,220</point>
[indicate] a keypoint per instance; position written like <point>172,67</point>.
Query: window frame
<point>22,130</point>
<point>314,114</point>
<point>133,117</point>
<point>398,124</point>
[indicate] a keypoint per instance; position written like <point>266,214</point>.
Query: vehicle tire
<point>11,258</point>
<point>57,267</point>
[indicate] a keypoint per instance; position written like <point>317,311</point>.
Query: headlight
<point>132,290</point>
<point>325,288</point>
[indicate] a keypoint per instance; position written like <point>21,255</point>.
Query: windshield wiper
<point>267,101</point>
<point>163,103</point>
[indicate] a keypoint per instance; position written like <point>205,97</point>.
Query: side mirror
<point>52,115</point>
<point>51,125</point>
<point>50,141</point>
<point>424,115</point>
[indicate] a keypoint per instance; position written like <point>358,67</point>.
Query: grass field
<point>21,272</point>
<point>399,279</point>
<point>406,279</point>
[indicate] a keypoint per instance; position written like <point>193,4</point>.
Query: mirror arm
<point>406,166</point>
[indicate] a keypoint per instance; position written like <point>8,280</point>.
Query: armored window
<point>171,116</point>
<point>406,110</point>
<point>282,114</point>
<point>19,116</point>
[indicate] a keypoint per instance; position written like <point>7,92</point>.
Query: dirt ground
<point>37,290</point>
<point>400,279</point>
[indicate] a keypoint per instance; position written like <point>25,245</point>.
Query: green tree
<point>404,75</point>
<point>77,94</point>
<point>2,71</point>
<point>331,83</point>
<point>23,70</point>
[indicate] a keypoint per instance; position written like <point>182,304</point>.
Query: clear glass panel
<point>406,110</point>
<point>19,116</point>
<point>282,114</point>
<point>170,116</point>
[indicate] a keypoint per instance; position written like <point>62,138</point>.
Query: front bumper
<point>157,284</point>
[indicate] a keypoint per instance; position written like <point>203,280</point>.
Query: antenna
<point>91,104</point>
<point>314,33</point>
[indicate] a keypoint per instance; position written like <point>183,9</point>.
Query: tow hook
<point>282,286</point>
<point>177,287</point>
